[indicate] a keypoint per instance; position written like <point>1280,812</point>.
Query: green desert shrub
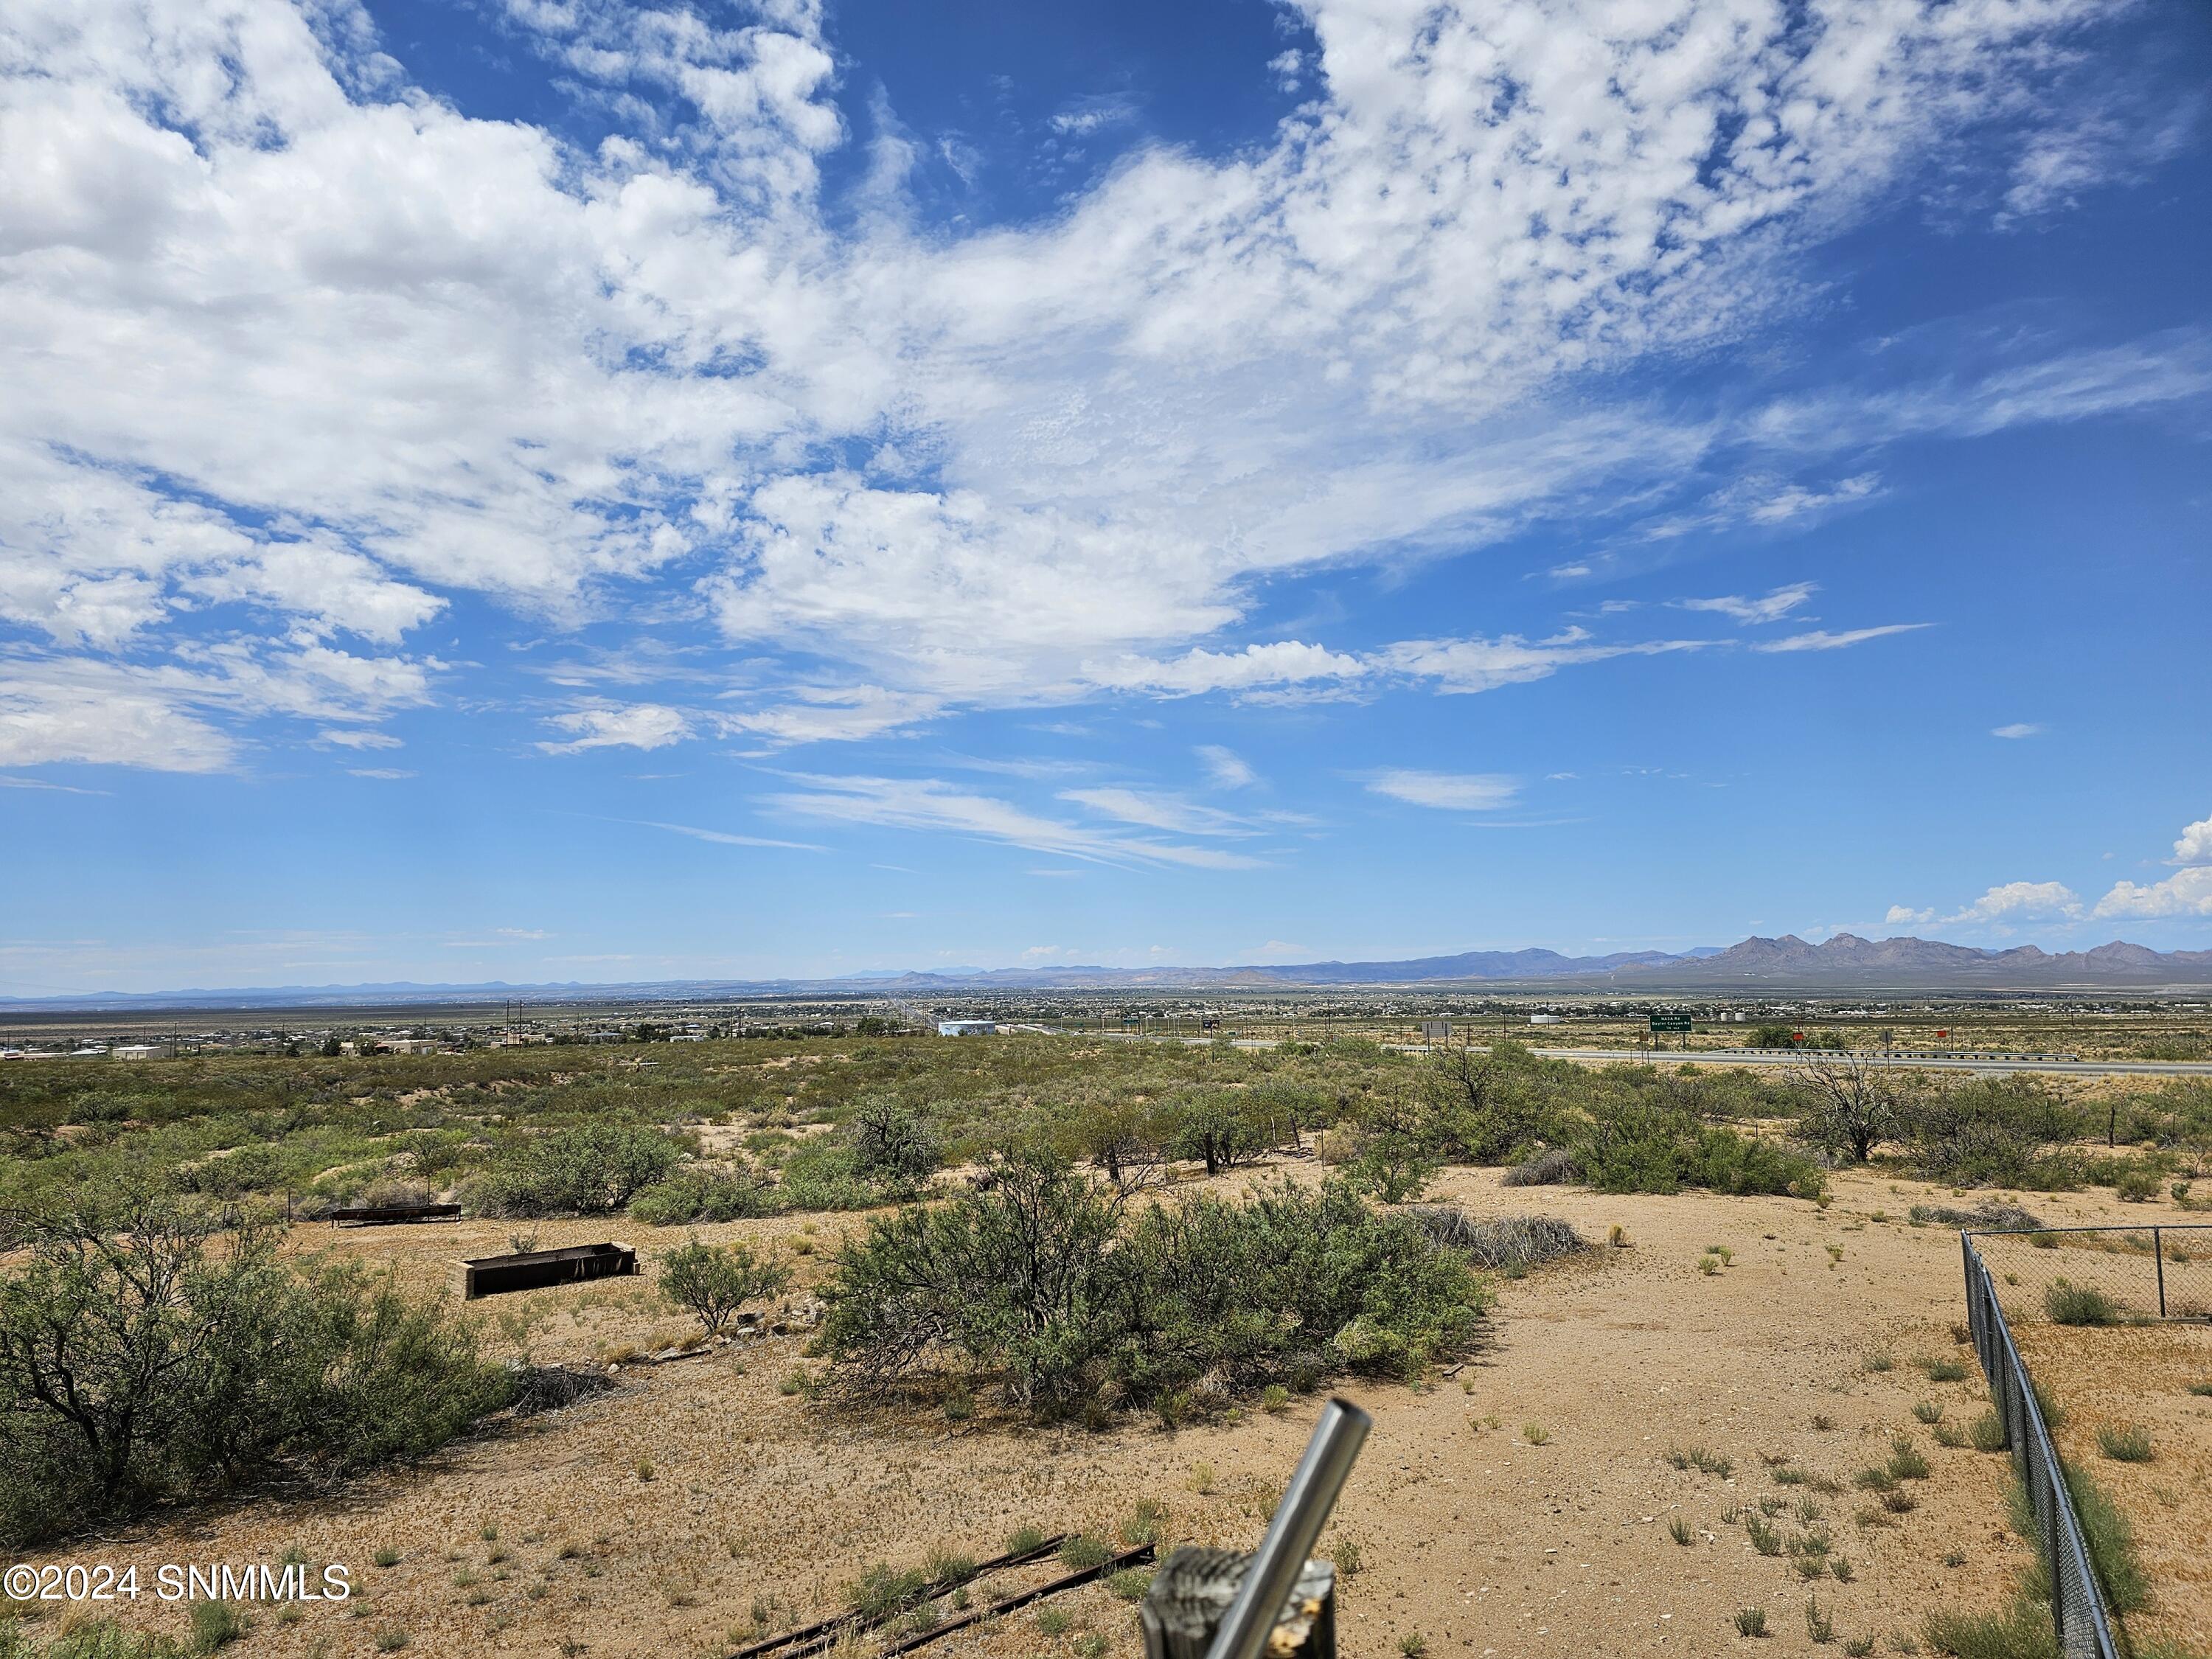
<point>1631,1144</point>
<point>699,1192</point>
<point>593,1168</point>
<point>1993,1132</point>
<point>1042,1285</point>
<point>714,1281</point>
<point>2068,1303</point>
<point>148,1355</point>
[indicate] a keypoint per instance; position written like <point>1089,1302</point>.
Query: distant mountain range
<point>1787,964</point>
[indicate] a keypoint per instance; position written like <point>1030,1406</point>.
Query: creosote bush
<point>148,1354</point>
<point>714,1281</point>
<point>593,1168</point>
<point>1046,1286</point>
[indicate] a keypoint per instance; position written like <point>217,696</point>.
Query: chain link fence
<point>2072,1276</point>
<point>2101,1276</point>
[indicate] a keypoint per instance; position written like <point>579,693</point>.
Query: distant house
<point>413,1045</point>
<point>1547,1019</point>
<point>137,1051</point>
<point>967,1028</point>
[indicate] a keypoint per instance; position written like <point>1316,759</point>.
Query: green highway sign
<point>1670,1022</point>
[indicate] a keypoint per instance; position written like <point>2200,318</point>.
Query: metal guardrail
<point>2077,1606</point>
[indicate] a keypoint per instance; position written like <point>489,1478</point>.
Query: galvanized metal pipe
<point>1293,1534</point>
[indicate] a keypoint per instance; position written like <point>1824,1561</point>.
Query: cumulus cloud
<point>638,726</point>
<point>2023,899</point>
<point>2187,892</point>
<point>1457,792</point>
<point>2194,846</point>
<point>289,340</point>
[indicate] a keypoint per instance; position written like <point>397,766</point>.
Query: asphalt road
<point>1982,1064</point>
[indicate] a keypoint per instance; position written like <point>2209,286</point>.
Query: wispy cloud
<point>1225,767</point>
<point>1820,639</point>
<point>2017,729</point>
<point>722,837</point>
<point>1457,792</point>
<point>1771,608</point>
<point>931,804</point>
<point>1153,810</point>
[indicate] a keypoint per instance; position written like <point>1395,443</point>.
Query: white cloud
<point>1228,770</point>
<point>1771,608</point>
<point>289,339</point>
<point>636,726</point>
<point>930,804</point>
<point>2186,893</point>
<point>358,739</point>
<point>833,715</point>
<point>720,838</point>
<point>1481,665</point>
<point>2016,729</point>
<point>1902,915</point>
<point>1289,662</point>
<point>2194,845</point>
<point>1457,792</point>
<point>387,774</point>
<point>2023,899</point>
<point>1820,639</point>
<point>1154,810</point>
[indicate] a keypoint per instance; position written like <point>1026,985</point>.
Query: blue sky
<point>554,490</point>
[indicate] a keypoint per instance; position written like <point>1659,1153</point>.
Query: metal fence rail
<point>2077,1606</point>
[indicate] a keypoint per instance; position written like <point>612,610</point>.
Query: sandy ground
<point>549,1536</point>
<point>2140,1377</point>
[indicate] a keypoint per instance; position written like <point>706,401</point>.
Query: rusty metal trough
<point>531,1270</point>
<point>378,1215</point>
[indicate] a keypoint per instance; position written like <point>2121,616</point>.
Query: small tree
<point>1396,1162</point>
<point>714,1280</point>
<point>1215,1128</point>
<point>893,1144</point>
<point>1853,1105</point>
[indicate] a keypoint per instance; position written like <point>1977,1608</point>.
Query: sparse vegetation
<point>2125,1443</point>
<point>149,1353</point>
<point>714,1281</point>
<point>1044,1287</point>
<point>2068,1303</point>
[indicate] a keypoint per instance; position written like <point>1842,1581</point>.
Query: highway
<point>1913,1061</point>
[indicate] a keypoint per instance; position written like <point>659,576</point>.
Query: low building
<point>956,1027</point>
<point>137,1051</point>
<point>1547,1019</point>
